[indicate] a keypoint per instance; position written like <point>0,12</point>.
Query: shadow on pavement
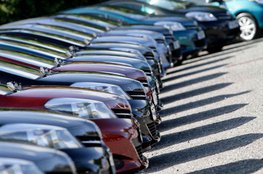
<point>199,103</point>
<point>226,51</point>
<point>175,70</point>
<point>160,162</point>
<point>202,131</point>
<point>239,167</point>
<point>194,92</point>
<point>192,82</point>
<point>201,116</point>
<point>175,76</point>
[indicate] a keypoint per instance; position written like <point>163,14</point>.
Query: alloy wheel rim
<point>248,28</point>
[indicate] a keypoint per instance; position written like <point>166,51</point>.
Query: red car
<point>121,135</point>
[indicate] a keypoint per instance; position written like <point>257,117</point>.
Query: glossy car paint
<point>114,131</point>
<point>236,7</point>
<point>25,167</point>
<point>216,31</point>
<point>28,60</point>
<point>93,153</point>
<point>97,46</point>
<point>48,160</point>
<point>146,115</point>
<point>185,37</point>
<point>40,96</point>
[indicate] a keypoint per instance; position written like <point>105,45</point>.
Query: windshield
<point>32,47</point>
<point>19,70</point>
<point>127,12</point>
<point>60,37</point>
<point>97,19</point>
<point>169,4</point>
<point>53,138</point>
<point>41,43</point>
<point>80,20</point>
<point>26,58</point>
<point>69,31</point>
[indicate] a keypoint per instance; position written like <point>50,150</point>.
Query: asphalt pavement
<point>213,119</point>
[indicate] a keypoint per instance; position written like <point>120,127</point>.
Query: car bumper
<point>148,120</point>
<point>122,136</point>
<point>191,41</point>
<point>220,31</point>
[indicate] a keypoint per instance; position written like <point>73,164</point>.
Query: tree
<point>12,10</point>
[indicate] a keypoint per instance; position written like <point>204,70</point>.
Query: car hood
<point>127,71</point>
<point>76,126</point>
<point>126,84</point>
<point>135,63</point>
<point>49,160</point>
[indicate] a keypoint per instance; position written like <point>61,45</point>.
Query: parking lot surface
<point>212,119</point>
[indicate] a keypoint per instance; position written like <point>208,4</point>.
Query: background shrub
<point>12,10</point>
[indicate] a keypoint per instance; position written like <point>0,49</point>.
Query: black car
<point>18,166</point>
<point>48,160</point>
<point>57,138</point>
<point>87,158</point>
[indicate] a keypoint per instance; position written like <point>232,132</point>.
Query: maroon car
<point>121,135</point>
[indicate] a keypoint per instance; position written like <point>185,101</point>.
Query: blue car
<point>249,14</point>
<point>191,37</point>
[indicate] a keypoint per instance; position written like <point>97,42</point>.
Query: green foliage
<point>12,10</point>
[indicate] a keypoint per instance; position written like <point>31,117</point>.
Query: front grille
<point>148,73</point>
<point>223,16</point>
<point>153,129</point>
<point>137,95</point>
<point>200,43</point>
<point>122,113</point>
<point>149,55</point>
<point>160,41</point>
<point>139,150</point>
<point>191,27</point>
<point>88,138</point>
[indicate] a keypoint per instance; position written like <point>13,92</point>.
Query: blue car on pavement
<point>249,14</point>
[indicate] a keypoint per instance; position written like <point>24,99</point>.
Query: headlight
<point>113,89</point>
<point>84,108</point>
<point>201,16</point>
<point>173,26</point>
<point>41,135</point>
<point>17,166</point>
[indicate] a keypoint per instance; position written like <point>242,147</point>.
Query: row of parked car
<point>80,89</point>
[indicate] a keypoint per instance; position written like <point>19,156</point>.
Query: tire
<point>214,49</point>
<point>248,26</point>
<point>179,62</point>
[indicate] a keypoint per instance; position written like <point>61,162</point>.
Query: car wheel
<point>248,26</point>
<point>179,61</point>
<point>214,49</point>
